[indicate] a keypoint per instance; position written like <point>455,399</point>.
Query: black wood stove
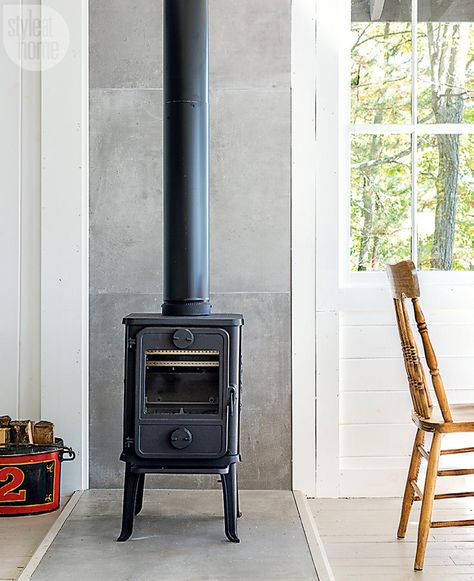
<point>183,367</point>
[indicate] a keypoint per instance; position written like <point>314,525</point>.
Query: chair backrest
<point>404,284</point>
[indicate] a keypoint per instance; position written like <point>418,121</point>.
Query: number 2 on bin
<point>9,491</point>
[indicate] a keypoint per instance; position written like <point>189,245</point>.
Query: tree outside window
<point>412,150</point>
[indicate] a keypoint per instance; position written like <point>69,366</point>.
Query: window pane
<point>446,202</point>
<point>380,65</point>
<point>446,61</point>
<point>380,200</point>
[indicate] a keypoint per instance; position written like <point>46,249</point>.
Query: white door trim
<point>64,246</point>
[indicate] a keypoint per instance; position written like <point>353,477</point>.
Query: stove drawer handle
<point>232,396</point>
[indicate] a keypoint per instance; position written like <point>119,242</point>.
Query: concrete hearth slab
<point>180,536</point>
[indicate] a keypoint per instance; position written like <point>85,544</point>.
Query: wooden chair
<point>438,420</point>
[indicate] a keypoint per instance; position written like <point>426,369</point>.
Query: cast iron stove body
<point>183,367</point>
<point>182,404</point>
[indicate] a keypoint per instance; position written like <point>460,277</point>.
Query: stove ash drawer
<point>181,441</point>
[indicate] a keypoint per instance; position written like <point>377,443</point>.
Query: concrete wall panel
<point>250,215</point>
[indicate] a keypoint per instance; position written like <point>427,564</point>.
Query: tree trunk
<point>446,197</point>
<point>366,233</point>
<point>448,59</point>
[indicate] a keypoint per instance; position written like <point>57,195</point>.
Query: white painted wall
<point>303,268</point>
<point>43,241</point>
<point>64,249</point>
<point>9,231</point>
<point>20,239</point>
<point>364,432</point>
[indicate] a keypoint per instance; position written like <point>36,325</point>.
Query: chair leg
<point>129,502</point>
<point>409,492</point>
<point>139,501</point>
<point>427,503</point>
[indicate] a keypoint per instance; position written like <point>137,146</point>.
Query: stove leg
<point>239,513</point>
<point>129,501</point>
<point>229,488</point>
<point>139,501</point>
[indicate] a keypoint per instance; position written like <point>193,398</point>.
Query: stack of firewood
<point>25,432</point>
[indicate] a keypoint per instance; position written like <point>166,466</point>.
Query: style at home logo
<point>35,37</point>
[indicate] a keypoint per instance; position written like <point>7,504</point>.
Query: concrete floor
<point>179,536</point>
<point>359,536</point>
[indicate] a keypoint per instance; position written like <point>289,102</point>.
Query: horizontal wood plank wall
<point>376,431</point>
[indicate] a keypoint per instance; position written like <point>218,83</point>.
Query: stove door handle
<point>232,396</point>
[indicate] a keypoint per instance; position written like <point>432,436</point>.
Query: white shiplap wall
<point>376,432</point>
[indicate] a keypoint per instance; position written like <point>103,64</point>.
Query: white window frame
<point>348,277</point>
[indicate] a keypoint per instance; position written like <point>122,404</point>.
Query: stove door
<point>182,390</point>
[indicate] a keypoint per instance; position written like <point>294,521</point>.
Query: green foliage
<point>381,164</point>
<point>380,200</point>
<point>433,69</point>
<point>381,72</point>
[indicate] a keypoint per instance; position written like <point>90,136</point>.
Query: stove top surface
<point>215,319</point>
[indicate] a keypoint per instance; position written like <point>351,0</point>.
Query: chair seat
<point>463,419</point>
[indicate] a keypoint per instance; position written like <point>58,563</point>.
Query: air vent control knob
<point>183,338</point>
<point>181,438</point>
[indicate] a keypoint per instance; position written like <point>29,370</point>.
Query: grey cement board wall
<point>250,214</point>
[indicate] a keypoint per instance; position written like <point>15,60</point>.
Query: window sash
<point>424,128</point>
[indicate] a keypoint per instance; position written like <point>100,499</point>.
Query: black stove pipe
<point>186,158</point>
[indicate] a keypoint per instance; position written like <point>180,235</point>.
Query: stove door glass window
<point>181,382</point>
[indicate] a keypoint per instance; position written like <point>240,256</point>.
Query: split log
<point>21,432</point>
<point>43,433</point>
<point>4,436</point>
<point>5,421</point>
